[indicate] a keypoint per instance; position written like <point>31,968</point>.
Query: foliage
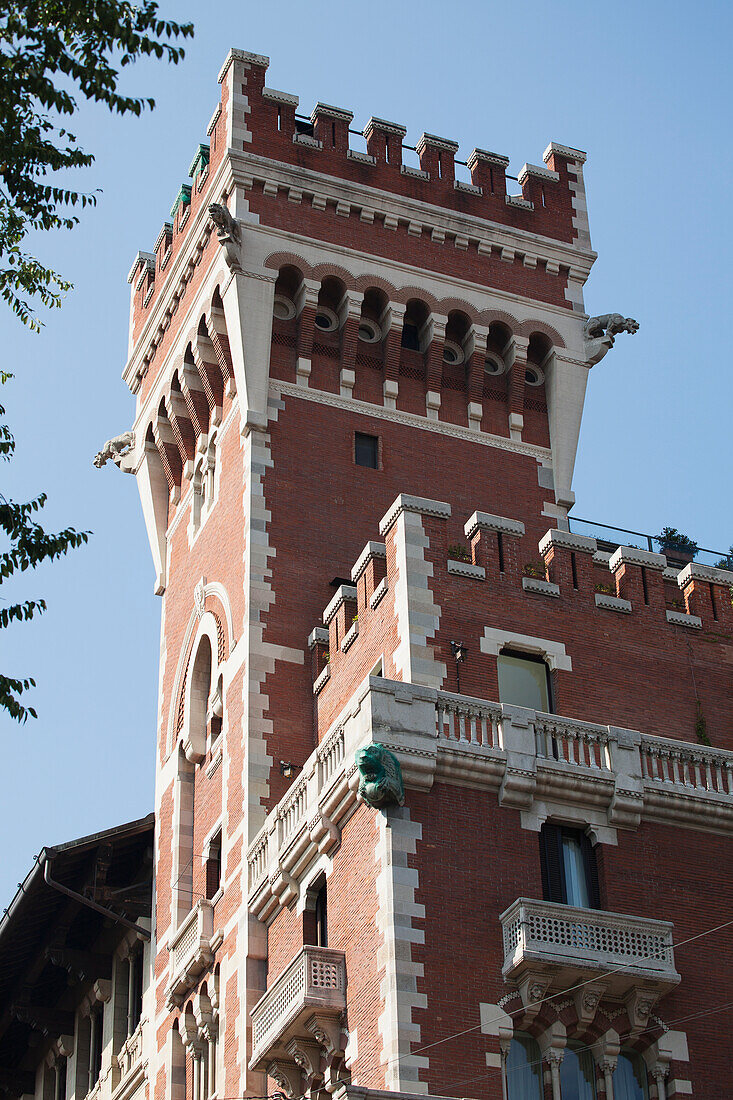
<point>49,51</point>
<point>535,569</point>
<point>606,589</point>
<point>727,561</point>
<point>458,552</point>
<point>701,729</point>
<point>669,538</point>
<point>28,545</point>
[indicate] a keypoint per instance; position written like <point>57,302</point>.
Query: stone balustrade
<point>614,777</point>
<point>191,950</point>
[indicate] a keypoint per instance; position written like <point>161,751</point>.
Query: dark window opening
<point>315,915</point>
<point>644,584</point>
<point>410,337</point>
<point>303,127</point>
<point>574,567</point>
<point>279,118</point>
<point>333,134</point>
<point>322,917</point>
<point>366,450</point>
<point>500,544</point>
<point>95,1052</point>
<point>213,867</point>
<point>713,602</point>
<point>569,867</point>
<point>60,1091</point>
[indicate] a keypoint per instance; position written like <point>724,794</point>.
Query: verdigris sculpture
<point>380,782</point>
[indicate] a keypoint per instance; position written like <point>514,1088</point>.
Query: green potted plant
<point>535,569</point>
<point>676,545</point>
<point>457,552</point>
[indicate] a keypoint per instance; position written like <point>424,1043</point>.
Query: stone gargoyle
<point>227,232</point>
<point>380,777</point>
<point>118,450</point>
<point>600,333</point>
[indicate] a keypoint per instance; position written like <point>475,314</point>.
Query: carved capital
<point>286,1076</point>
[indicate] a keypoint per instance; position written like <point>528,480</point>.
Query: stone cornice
<point>694,571</point>
<point>251,166</point>
<point>407,503</point>
<point>484,521</point>
<point>371,550</point>
<point>569,540</point>
<point>542,454</point>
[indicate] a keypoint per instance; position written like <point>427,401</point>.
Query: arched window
<point>629,1078</point>
<point>577,1073</point>
<point>523,1068</point>
<point>197,702</point>
<point>416,316</point>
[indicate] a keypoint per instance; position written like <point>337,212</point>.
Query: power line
<point>552,996</point>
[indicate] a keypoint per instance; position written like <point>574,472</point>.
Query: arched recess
<point>216,621</point>
<point>530,328</point>
<point>201,676</point>
<point>277,260</point>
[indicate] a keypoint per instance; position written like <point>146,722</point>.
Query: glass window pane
<point>576,883</point>
<point>577,1075</point>
<point>523,683</point>
<point>629,1079</point>
<point>524,1069</point>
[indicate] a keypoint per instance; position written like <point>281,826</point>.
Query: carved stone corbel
<point>639,1004</point>
<point>286,1076</point>
<point>306,1055</point>
<point>327,1033</point>
<point>532,990</point>
<point>587,1000</point>
<point>323,832</point>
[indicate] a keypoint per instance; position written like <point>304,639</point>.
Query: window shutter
<point>591,871</point>
<point>553,876</point>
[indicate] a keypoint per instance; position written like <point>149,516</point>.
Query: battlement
<point>286,162</point>
<point>423,591</point>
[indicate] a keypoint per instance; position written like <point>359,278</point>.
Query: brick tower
<point>433,811</point>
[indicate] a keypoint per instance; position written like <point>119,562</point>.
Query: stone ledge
<point>370,551</point>
<point>350,636</point>
<point>540,587</point>
<point>485,521</point>
<point>408,503</point>
<point>307,139</point>
<point>569,540</point>
<point>466,569</point>
<point>613,603</point>
<point>345,592</point>
<point>362,158</point>
<point>417,173</point>
<point>469,188</point>
<point>319,635</point>
<point>379,593</point>
<point>681,618</point>
<point>630,555</point>
<point>694,571</point>
<point>322,679</point>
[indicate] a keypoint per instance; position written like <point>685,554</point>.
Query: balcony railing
<point>313,983</point>
<point>131,1053</point>
<point>565,943</point>
<point>526,757</point>
<point>190,949</point>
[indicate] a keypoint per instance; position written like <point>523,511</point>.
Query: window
<point>135,990</point>
<point>322,917</point>
<point>524,1069</point>
<point>577,1074</point>
<point>569,868</point>
<point>95,1045</point>
<point>629,1078</point>
<point>366,450</point>
<point>326,319</point>
<point>410,337</point>
<point>524,681</point>
<point>533,376</point>
<point>452,353</point>
<point>213,867</point>
<point>315,914</point>
<point>369,331</point>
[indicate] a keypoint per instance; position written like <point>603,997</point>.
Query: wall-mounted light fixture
<point>459,651</point>
<point>288,769</point>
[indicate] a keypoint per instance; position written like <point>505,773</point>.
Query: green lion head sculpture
<point>380,779</point>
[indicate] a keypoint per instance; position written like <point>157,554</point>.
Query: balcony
<point>191,951</point>
<point>302,1009</point>
<point>551,947</point>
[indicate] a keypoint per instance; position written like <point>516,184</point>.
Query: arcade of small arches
<point>194,1039</point>
<point>406,350</point>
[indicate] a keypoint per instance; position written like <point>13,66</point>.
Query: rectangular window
<point>569,867</point>
<point>366,450</point>
<point>524,681</point>
<point>213,867</point>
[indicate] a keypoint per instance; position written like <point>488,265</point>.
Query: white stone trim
<point>539,172</point>
<point>350,636</point>
<point>273,96</point>
<point>466,569</point>
<point>694,571</point>
<point>317,636</point>
<point>483,156</point>
<point>417,613</point>
<point>326,110</point>
<point>494,640</point>
<point>629,555</point>
<point>520,203</point>
<point>322,397</point>
<point>565,151</point>
<point>484,521</point>
<point>568,540</point>
<point>681,618</point>
<point>370,551</point>
<point>379,593</point>
<point>321,680</point>
<point>396,909</point>
<point>407,503</point>
<point>362,158</point>
<point>417,173</point>
<point>469,188</point>
<point>343,593</point>
<point>612,603</point>
<point>540,587</point>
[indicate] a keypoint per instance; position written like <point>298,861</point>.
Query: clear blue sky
<point>645,88</point>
